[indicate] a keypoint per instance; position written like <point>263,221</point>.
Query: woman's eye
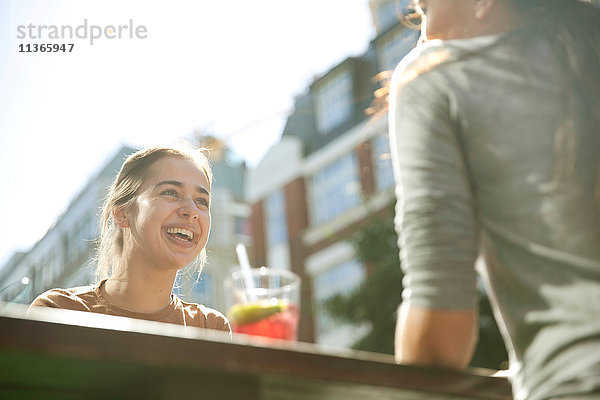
<point>202,201</point>
<point>170,192</point>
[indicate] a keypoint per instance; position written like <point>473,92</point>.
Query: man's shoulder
<point>442,55</point>
<point>423,58</point>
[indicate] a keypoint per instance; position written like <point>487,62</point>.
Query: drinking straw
<point>246,270</point>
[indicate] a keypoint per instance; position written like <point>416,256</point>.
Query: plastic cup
<point>264,304</point>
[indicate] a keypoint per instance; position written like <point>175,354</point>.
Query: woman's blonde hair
<point>122,194</point>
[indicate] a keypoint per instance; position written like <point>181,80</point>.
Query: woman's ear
<point>482,8</point>
<point>120,217</point>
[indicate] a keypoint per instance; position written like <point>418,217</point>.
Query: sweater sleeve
<point>59,298</point>
<point>215,319</point>
<point>435,212</point>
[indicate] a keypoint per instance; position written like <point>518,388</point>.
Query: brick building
<point>330,171</point>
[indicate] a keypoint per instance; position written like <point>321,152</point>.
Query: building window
<point>67,249</point>
<point>394,47</point>
<point>48,271</point>
<point>383,162</point>
<point>84,238</point>
<point>92,228</point>
<point>335,189</point>
<point>333,101</point>
<point>388,13</point>
<point>242,226</point>
<point>203,289</point>
<point>340,279</point>
<point>276,219</point>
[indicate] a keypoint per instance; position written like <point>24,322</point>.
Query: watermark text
<point>90,32</point>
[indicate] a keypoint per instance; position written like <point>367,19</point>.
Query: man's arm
<point>436,215</point>
<point>430,337</point>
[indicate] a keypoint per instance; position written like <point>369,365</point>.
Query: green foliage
<point>376,300</point>
<point>490,351</point>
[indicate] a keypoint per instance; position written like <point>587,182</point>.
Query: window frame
<point>334,100</point>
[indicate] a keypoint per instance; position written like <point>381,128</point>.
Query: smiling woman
<point>155,221</point>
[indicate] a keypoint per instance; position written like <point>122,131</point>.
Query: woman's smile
<point>181,236</point>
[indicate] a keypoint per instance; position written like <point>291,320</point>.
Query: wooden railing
<point>56,354</point>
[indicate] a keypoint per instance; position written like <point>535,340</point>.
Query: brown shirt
<point>94,299</point>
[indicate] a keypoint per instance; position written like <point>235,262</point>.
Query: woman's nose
<point>188,209</point>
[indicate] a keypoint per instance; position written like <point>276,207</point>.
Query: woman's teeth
<point>181,233</point>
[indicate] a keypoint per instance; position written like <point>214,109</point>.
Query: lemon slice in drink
<point>251,312</point>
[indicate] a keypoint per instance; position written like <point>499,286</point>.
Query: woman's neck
<point>141,290</point>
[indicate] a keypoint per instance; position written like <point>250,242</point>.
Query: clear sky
<point>228,67</point>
